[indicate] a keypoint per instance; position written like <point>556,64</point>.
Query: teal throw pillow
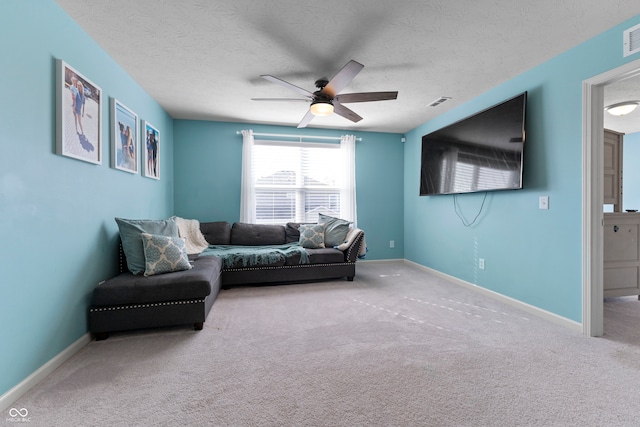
<point>130,235</point>
<point>335,231</point>
<point>312,236</point>
<point>164,254</point>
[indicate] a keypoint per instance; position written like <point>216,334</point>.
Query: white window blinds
<point>295,181</point>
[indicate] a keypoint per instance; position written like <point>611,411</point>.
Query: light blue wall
<point>208,169</point>
<point>531,255</point>
<point>631,171</point>
<point>56,213</point>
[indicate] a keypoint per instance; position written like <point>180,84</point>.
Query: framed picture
<point>78,115</point>
<point>124,138</point>
<point>150,150</point>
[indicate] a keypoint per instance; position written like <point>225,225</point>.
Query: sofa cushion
<point>131,236</point>
<point>312,236</point>
<point>292,232</point>
<point>217,232</point>
<point>257,234</point>
<point>164,254</point>
<point>276,262</point>
<point>318,256</point>
<point>127,288</point>
<point>335,231</point>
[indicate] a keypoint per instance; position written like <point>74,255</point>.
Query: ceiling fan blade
<point>343,111</point>
<point>280,99</point>
<point>288,85</point>
<point>342,78</point>
<point>306,119</point>
<point>366,97</point>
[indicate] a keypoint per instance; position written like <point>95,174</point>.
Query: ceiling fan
<point>326,100</point>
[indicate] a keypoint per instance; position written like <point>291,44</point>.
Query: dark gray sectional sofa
<point>325,263</point>
<point>129,301</point>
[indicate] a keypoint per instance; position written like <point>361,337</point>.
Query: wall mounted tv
<point>483,152</point>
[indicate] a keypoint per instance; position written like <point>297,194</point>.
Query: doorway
<point>592,194</point>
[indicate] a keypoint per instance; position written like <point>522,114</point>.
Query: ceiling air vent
<point>439,101</point>
<point>631,40</point>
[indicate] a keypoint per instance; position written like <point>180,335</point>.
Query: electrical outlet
<point>392,243</point>
<point>543,202</point>
<point>481,263</point>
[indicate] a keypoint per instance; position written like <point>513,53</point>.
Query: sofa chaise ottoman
<point>167,293</point>
<point>129,301</point>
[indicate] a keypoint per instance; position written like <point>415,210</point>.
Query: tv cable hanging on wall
<point>458,211</point>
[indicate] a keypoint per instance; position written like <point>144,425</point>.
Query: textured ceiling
<point>201,59</point>
<point>624,90</point>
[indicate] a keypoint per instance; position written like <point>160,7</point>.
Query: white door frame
<point>593,194</point>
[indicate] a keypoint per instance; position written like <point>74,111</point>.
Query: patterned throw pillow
<point>312,236</point>
<point>164,254</point>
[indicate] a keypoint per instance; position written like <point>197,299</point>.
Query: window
<point>295,181</point>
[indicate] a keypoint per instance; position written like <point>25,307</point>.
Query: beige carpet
<point>396,347</point>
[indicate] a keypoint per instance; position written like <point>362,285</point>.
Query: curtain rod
<point>281,135</point>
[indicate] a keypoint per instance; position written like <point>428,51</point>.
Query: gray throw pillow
<point>335,230</point>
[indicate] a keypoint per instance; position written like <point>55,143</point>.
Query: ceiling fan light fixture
<point>621,108</point>
<point>321,108</point>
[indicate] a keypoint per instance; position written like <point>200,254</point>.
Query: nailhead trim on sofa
<point>277,267</point>
<point>157,304</point>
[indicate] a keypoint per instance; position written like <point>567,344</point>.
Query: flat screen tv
<point>483,152</point>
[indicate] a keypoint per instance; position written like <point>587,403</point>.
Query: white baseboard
<point>536,311</point>
<point>24,386</point>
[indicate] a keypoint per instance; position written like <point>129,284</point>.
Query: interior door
<point>613,169</point>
